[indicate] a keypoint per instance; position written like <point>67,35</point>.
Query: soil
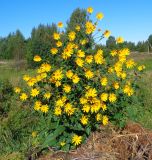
<point>109,143</point>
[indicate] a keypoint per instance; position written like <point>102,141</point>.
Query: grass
<point>141,112</point>
<point>14,75</point>
<point>145,59</point>
<point>9,70</point>
<point>147,63</point>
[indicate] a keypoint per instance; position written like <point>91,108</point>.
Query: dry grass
<point>132,143</point>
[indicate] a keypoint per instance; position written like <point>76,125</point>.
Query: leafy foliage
<point>40,42</point>
<point>78,87</point>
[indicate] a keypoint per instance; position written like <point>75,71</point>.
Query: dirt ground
<point>131,143</point>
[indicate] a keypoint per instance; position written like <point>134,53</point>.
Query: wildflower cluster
<point>84,89</point>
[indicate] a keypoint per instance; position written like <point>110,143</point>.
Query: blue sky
<point>131,19</point>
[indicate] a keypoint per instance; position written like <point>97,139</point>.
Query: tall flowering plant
<point>79,88</point>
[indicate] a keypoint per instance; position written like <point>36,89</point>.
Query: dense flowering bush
<point>80,88</point>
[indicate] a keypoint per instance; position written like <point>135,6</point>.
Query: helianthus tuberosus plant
<point>80,88</point>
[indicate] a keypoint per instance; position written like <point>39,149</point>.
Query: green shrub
<point>79,88</point>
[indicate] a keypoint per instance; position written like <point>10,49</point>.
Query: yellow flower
<point>57,111</point>
<point>105,120</point>
<point>31,82</point>
<point>47,95</point>
<point>123,75</point>
<point>141,67</point>
<point>17,90</point>
<point>34,92</point>
<point>75,78</point>
<point>60,24</point>
<point>58,43</point>
<point>103,106</point>
<point>79,62</point>
<point>64,99</point>
<point>37,58</point>
<point>58,75</point>
<point>113,53</point>
<point>57,83</point>
<point>59,103</point>
<point>116,85</point>
<point>23,96</point>
<point>128,90</point>
<point>130,63</point>
<point>38,78</point>
<point>69,109</point>
<point>62,143</point>
<point>90,10</point>
<point>89,74</point>
<point>72,35</point>
<point>76,140</point>
<point>44,75</point>
<point>84,120</point>
<point>86,108</point>
<point>112,97</point>
<point>37,105</point>
<point>89,59</point>
<point>54,51</point>
<point>67,52</point>
<point>119,40</point>
<point>45,67</point>
<point>124,51</point>
<point>96,105</point>
<point>67,88</point>
<point>106,33</point>
<point>91,92</point>
<point>81,54</point>
<point>104,97</point>
<point>83,100</point>
<point>110,70</point>
<point>122,58</point>
<point>44,108</point>
<point>90,28</point>
<point>56,36</point>
<point>26,77</point>
<point>98,57</point>
<point>99,16</point>
<point>69,74</point>
<point>34,134</point>
<point>98,117</point>
<point>83,41</point>
<point>104,81</point>
<point>77,27</point>
<point>93,100</point>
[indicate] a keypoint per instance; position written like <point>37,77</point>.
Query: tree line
<point>141,46</point>
<point>16,46</point>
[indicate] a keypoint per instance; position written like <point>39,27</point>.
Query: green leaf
<point>66,147</point>
<point>53,125</point>
<point>51,138</point>
<point>79,127</point>
<point>88,130</point>
<point>59,130</point>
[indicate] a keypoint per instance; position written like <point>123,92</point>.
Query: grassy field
<point>145,59</point>
<point>13,72</point>
<point>142,112</point>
